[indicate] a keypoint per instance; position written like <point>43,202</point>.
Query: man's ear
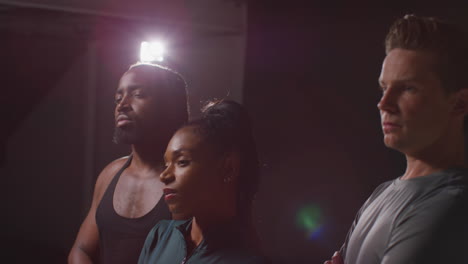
<point>461,102</point>
<point>231,166</point>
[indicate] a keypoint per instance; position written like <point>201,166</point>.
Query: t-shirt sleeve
<point>369,200</point>
<point>414,233</point>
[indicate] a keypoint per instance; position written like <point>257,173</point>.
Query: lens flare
<point>310,219</point>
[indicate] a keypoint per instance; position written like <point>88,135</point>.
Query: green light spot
<point>308,218</point>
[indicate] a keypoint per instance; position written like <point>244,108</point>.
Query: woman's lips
<point>169,194</point>
<point>168,197</point>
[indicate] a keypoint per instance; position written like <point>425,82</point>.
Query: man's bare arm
<point>86,246</point>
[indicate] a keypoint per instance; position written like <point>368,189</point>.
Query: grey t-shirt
<point>404,220</point>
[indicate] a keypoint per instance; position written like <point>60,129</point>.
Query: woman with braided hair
<point>212,173</point>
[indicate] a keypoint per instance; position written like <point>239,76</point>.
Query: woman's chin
<point>179,213</point>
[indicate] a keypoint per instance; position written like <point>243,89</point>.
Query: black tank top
<point>121,239</point>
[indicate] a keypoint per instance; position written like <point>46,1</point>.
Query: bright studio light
<point>151,51</point>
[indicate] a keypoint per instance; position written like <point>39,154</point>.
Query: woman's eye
<point>117,100</point>
<point>183,163</point>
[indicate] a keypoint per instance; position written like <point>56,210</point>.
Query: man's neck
<point>435,158</point>
<point>148,156</point>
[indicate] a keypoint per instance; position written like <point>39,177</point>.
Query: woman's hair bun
<point>226,113</point>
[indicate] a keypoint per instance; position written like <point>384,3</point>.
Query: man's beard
<point>150,133</point>
<point>126,135</point>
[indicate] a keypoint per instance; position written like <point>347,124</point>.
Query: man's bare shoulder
<point>108,173</point>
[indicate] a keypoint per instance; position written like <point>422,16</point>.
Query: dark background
<point>310,85</point>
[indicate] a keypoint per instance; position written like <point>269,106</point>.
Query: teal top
<point>224,244</point>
